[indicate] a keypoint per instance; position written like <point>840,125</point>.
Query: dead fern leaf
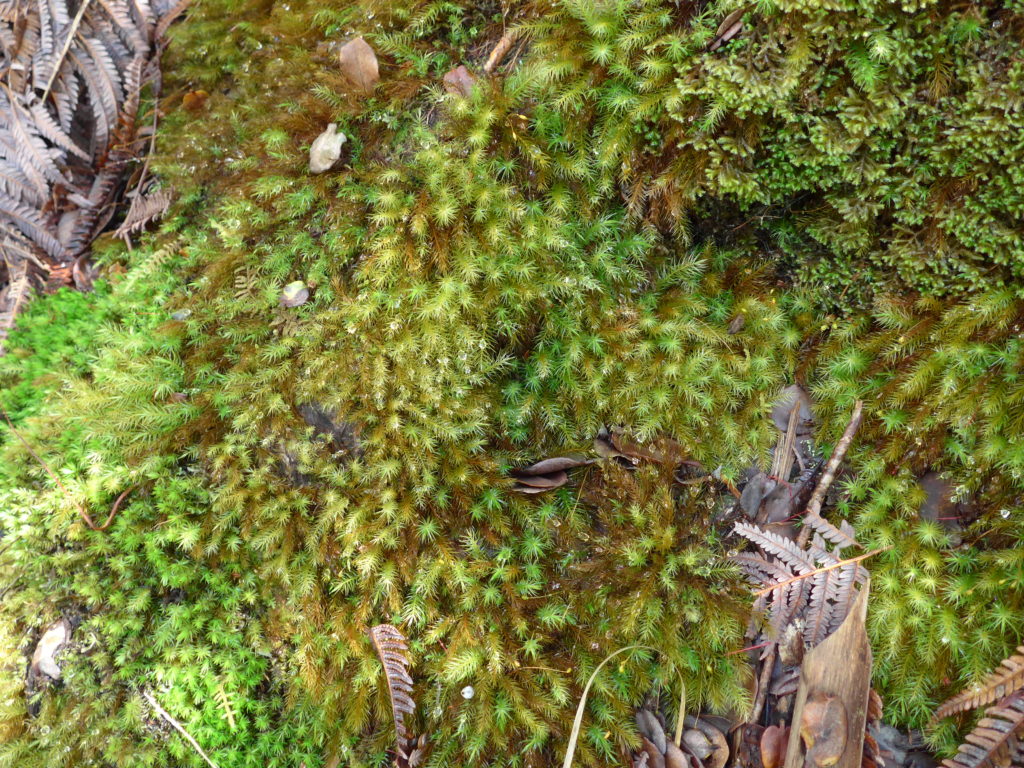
<point>393,652</point>
<point>222,699</point>
<point>994,742</point>
<point>143,211</point>
<point>1008,679</point>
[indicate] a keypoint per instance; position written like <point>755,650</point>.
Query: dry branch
<point>829,474</point>
<point>499,51</point>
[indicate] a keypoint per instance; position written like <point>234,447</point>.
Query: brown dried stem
<point>816,571</point>
<point>502,48</point>
<point>818,497</point>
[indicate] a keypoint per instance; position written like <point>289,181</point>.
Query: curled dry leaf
<point>325,150</point>
<point>774,742</point>
<point>697,744</point>
<point>719,755</point>
<point>655,759</point>
<point>359,64</point>
<point>545,475</point>
<point>731,26</point>
<point>459,82</point>
<point>54,638</point>
<point>676,758</point>
<point>650,728</point>
<point>294,294</point>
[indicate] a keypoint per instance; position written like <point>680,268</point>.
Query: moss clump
<point>492,281</point>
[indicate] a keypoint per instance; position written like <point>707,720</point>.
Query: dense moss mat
<point>492,281</point>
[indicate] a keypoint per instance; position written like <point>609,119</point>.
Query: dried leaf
<point>720,746</point>
<point>544,482</point>
<point>731,26</point>
<point>650,728</point>
<point>393,652</point>
<point>1007,679</point>
<point>697,744</point>
<point>459,82</point>
<point>995,740</point>
<point>359,64</point>
<point>548,466</point>
<point>655,759</point>
<point>294,294</point>
<point>774,742</point>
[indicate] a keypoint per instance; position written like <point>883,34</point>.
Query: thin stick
<point>67,47</point>
<point>178,726</point>
<point>816,571</point>
<point>818,497</point>
<point>53,476</point>
<point>503,46</point>
<point>763,683</point>
<point>113,510</point>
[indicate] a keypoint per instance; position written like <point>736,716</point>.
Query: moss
<point>492,281</point>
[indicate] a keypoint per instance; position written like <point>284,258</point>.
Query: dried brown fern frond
<point>394,655</point>
<point>71,76</point>
<point>810,583</point>
<point>1008,679</point>
<point>994,742</point>
<point>144,210</point>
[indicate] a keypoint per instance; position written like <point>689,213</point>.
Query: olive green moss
<point>493,280</point>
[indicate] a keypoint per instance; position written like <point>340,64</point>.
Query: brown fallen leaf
<point>654,758</point>
<point>553,480</point>
<point>359,64</point>
<point>719,755</point>
<point>459,82</point>
<point>697,744</point>
<point>731,26</point>
<point>737,324</point>
<point>675,757</point>
<point>547,466</point>
<point>774,741</point>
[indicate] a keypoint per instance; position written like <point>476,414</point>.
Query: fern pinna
<point>393,652</point>
<point>995,741</point>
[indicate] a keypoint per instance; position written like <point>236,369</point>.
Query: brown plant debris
<point>393,651</point>
<point>69,100</point>
<point>359,64</point>
<point>1007,679</point>
<point>994,742</point>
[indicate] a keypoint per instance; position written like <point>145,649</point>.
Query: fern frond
<point>1009,678</point>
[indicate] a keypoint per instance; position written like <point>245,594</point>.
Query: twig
<point>818,497</point>
<point>53,476</point>
<point>816,571</point>
<point>763,683</point>
<point>64,51</point>
<point>113,509</point>
<point>503,46</point>
<point>82,512</point>
<point>178,727</point>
